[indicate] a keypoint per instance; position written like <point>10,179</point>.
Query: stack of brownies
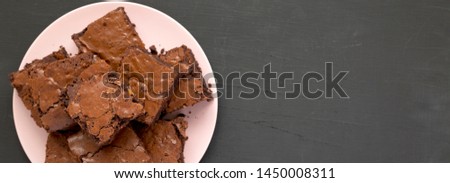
<point>106,104</point>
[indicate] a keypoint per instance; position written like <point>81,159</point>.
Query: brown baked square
<point>164,140</point>
<point>42,85</point>
<point>109,36</point>
<point>98,104</point>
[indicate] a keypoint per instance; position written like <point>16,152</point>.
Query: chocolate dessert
<point>125,148</point>
<point>191,87</point>
<point>109,36</point>
<point>164,140</point>
<point>190,90</point>
<point>181,58</point>
<point>88,102</point>
<point>82,144</point>
<point>153,81</point>
<point>21,80</point>
<point>98,105</point>
<point>42,85</point>
<point>57,150</point>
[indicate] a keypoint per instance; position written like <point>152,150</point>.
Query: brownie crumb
<point>153,50</point>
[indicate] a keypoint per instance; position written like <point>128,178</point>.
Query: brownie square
<point>97,102</point>
<point>181,58</point>
<point>191,87</point>
<point>21,79</point>
<point>83,144</point>
<point>42,85</point>
<point>109,36</point>
<point>164,140</point>
<point>57,150</point>
<point>125,148</point>
<point>149,79</point>
<point>189,90</point>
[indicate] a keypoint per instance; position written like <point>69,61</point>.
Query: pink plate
<point>155,28</point>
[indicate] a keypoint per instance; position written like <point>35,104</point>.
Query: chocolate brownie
<point>190,90</point>
<point>87,102</point>
<point>109,36</point>
<point>164,140</point>
<point>82,144</point>
<point>21,79</point>
<point>97,103</point>
<point>180,57</point>
<point>149,79</point>
<point>191,87</point>
<point>42,85</point>
<point>125,148</point>
<point>57,150</point>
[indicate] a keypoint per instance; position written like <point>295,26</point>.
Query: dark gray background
<point>397,53</point>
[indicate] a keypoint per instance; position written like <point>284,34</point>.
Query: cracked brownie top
<point>154,80</point>
<point>97,103</point>
<point>164,140</point>
<point>42,85</point>
<point>109,36</point>
<point>191,87</point>
<point>125,148</point>
<point>58,151</point>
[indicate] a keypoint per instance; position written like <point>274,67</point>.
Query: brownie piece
<point>82,144</point>
<point>180,57</point>
<point>109,36</point>
<point>125,148</point>
<point>21,79</point>
<point>190,90</point>
<point>57,150</point>
<point>42,85</point>
<point>148,79</point>
<point>97,103</point>
<point>164,140</point>
<point>191,87</point>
